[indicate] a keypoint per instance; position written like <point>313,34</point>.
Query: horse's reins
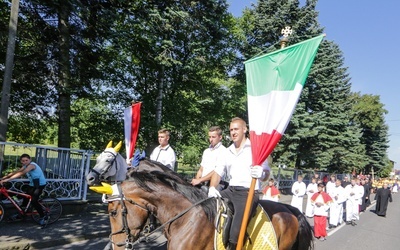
<point>128,241</point>
<point>125,228</point>
<point>174,218</point>
<point>109,166</point>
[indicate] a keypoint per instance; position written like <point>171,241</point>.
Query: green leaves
<point>122,50</point>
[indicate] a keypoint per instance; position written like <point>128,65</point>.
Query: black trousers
<point>35,192</point>
<point>237,197</point>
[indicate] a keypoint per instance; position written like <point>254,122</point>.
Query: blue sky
<point>367,32</point>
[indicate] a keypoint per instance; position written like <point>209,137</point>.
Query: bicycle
<point>51,206</point>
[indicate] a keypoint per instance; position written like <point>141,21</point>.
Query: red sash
<point>274,190</point>
<point>325,196</point>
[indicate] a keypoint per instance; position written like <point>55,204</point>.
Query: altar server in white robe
<point>336,211</point>
<point>298,191</point>
<point>312,188</point>
<point>353,195</point>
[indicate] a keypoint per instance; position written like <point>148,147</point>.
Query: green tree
<point>368,113</point>
<point>182,50</point>
<point>57,65</point>
<point>319,135</point>
<point>94,124</point>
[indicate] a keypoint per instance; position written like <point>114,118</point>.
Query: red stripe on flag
<point>262,145</point>
<point>134,127</point>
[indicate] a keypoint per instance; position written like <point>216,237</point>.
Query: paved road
<point>371,232</point>
<point>90,229</point>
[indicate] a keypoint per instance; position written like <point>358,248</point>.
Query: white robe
<point>298,190</point>
<point>395,188</point>
<point>309,207</point>
<point>329,187</point>
<point>268,196</point>
<point>353,195</point>
<point>336,211</point>
<point>322,210</point>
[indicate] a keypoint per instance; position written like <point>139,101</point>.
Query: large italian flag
<point>274,84</point>
<point>131,128</point>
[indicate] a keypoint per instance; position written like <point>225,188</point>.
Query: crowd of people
<point>331,203</point>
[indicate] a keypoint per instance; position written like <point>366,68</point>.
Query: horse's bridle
<point>109,166</point>
<point>125,228</point>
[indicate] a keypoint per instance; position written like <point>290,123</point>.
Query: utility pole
<point>9,65</point>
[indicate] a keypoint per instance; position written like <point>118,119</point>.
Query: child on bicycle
<point>37,182</point>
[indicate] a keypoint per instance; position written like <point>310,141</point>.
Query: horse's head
<point>174,202</point>
<point>108,164</point>
<point>127,219</point>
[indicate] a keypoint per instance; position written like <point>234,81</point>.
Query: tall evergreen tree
<point>368,113</point>
<point>319,135</point>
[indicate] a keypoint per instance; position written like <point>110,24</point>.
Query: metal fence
<point>286,176</point>
<point>64,168</point>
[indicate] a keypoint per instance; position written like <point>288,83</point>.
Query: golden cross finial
<point>287,31</point>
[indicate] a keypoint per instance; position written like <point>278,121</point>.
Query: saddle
<point>260,233</point>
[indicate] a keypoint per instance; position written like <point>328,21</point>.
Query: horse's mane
<point>150,165</point>
<point>149,180</point>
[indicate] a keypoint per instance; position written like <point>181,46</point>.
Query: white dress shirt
<point>165,155</point>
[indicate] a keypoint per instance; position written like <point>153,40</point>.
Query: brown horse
<point>187,214</point>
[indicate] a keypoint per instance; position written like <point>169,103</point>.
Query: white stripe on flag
<point>272,111</point>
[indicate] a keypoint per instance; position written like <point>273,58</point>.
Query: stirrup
<point>148,228</point>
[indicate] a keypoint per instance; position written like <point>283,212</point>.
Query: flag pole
<point>285,32</point>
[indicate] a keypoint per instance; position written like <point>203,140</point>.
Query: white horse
<point>110,166</point>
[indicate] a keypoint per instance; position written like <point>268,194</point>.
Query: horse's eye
<point>113,213</point>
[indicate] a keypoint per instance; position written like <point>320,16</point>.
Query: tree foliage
<point>184,61</point>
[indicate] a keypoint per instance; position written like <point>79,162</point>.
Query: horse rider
<point>237,163</point>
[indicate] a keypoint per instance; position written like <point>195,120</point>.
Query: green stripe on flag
<point>282,69</point>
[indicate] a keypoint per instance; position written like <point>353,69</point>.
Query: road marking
<point>344,222</point>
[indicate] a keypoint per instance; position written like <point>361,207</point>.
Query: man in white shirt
<point>210,156</point>
<point>237,163</point>
<point>164,153</point>
<point>298,191</point>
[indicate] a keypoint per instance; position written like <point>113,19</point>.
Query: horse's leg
<point>286,229</point>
